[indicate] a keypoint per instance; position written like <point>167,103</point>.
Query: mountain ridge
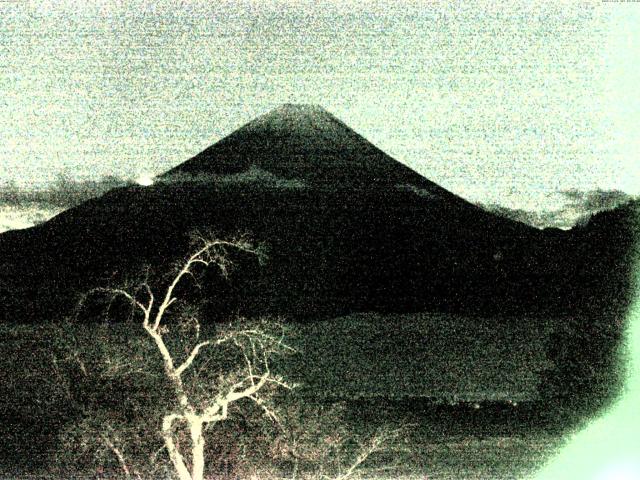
<point>309,144</point>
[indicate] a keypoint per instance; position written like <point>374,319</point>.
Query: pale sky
<point>500,102</point>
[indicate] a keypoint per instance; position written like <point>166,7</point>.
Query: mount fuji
<point>347,229</point>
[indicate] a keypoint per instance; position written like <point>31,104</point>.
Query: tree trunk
<point>197,449</point>
<point>174,454</point>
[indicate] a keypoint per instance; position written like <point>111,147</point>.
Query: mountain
<point>310,145</point>
<point>355,242</point>
<point>347,228</point>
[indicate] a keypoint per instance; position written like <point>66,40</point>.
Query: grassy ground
<point>445,357</point>
<point>486,441</point>
<point>460,389</point>
<point>472,458</point>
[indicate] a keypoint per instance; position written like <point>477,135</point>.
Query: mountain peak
<point>308,144</point>
<point>300,108</point>
<point>298,120</point>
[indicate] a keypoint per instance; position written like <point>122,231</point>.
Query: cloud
<point>538,219</point>
<point>22,207</point>
<point>252,175</point>
<point>65,192</point>
<point>592,201</point>
<point>578,207</point>
<point>421,192</point>
<point>17,217</point>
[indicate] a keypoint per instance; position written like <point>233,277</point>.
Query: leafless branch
<point>254,344</point>
<point>192,356</point>
<point>373,445</point>
<point>118,454</point>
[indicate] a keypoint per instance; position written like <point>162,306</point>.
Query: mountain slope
<point>330,252</point>
<point>348,229</point>
<point>308,144</point>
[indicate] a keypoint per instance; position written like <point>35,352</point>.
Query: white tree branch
<point>174,454</point>
<point>374,445</point>
<point>124,293</point>
<point>255,346</point>
<point>192,356</point>
<point>116,451</point>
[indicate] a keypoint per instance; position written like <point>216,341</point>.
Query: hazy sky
<point>498,103</point>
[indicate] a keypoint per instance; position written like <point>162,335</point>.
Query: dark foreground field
<point>459,395</point>
<point>495,441</point>
<point>468,441</point>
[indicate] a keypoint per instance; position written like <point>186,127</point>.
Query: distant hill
<point>348,229</point>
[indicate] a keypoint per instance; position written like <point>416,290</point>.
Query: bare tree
<point>318,443</point>
<point>151,401</point>
<point>192,414</point>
